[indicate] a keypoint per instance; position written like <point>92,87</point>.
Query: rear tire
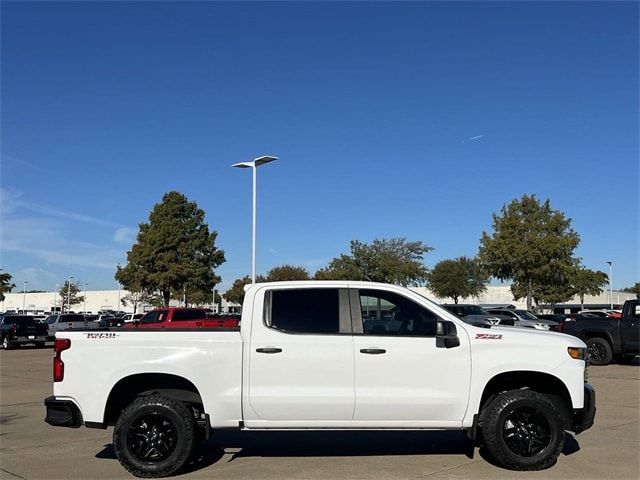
<point>154,436</point>
<point>600,352</point>
<point>6,344</point>
<point>523,430</point>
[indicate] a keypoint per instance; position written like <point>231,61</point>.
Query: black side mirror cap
<point>446,335</point>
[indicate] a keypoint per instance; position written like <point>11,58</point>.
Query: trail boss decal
<point>488,336</point>
<point>102,335</point>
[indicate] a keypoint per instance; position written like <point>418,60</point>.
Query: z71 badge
<point>487,336</point>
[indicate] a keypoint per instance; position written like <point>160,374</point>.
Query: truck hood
<point>527,335</point>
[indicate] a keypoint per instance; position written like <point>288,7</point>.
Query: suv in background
<point>524,318</point>
<point>476,315</point>
<point>67,321</point>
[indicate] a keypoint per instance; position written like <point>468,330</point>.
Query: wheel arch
<point>132,386</point>
<point>540,382</point>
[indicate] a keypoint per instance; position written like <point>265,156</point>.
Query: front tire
<point>523,430</point>
<point>600,352</point>
<point>154,436</point>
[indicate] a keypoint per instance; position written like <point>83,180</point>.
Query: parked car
<point>476,315</point>
<point>130,317</point>
<point>524,318</point>
<point>175,317</point>
<point>67,321</point>
<point>17,330</point>
<point>108,321</point>
<point>305,359</point>
<point>609,337</point>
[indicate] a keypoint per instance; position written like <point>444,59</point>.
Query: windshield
<point>526,315</point>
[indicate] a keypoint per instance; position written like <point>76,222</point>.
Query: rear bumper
<point>62,413</point>
<point>24,339</point>
<point>583,418</point>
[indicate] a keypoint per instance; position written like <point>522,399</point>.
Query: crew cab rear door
<point>402,376</point>
<point>300,358</point>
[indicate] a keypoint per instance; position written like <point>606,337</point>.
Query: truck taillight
<point>60,345</point>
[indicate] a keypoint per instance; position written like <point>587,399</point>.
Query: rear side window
<point>72,318</point>
<point>311,310</point>
<point>22,320</point>
<point>190,314</point>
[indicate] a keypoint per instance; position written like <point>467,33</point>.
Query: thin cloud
<point>471,139</point>
<point>124,235</point>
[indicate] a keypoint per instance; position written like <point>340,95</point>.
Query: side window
<point>190,314</point>
<point>387,313</point>
<point>310,310</point>
<point>151,317</point>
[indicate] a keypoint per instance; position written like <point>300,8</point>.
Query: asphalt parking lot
<point>30,449</point>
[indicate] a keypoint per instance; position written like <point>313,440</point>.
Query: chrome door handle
<point>373,351</point>
<point>269,350</point>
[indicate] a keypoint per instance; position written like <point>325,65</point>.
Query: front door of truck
<point>630,328</point>
<point>300,359</point>
<point>401,373</point>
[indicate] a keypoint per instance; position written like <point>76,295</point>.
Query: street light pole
<point>24,297</point>
<point>69,294</point>
<point>84,298</point>
<point>55,298</point>
<point>254,165</point>
<point>610,285</point>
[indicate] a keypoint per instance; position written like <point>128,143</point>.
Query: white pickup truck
<point>324,355</point>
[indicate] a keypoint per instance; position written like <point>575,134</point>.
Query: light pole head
<point>256,162</point>
<point>609,263</point>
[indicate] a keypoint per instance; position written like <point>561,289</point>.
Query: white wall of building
<point>96,300</point>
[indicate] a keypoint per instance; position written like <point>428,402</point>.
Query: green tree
<point>284,273</point>
<point>70,295</point>
<point>528,237</point>
<point>389,261</point>
<point>633,289</point>
<point>460,277</point>
<point>5,284</point>
<point>173,249</point>
<point>588,282</point>
<point>236,293</point>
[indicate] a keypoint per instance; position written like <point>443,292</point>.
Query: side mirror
<point>446,335</point>
<point>136,322</point>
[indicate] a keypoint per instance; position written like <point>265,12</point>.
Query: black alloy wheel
<point>152,437</point>
<point>526,431</point>
<point>596,352</point>
<point>600,352</point>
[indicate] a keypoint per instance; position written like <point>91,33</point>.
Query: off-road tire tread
<point>492,432</point>
<point>188,443</point>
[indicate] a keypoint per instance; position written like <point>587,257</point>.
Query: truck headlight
<point>579,353</point>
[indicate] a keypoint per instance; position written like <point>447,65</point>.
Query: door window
<point>309,310</point>
<point>156,316</point>
<point>387,313</point>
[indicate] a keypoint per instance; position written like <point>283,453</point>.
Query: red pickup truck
<point>173,317</point>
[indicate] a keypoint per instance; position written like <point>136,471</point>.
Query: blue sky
<point>414,120</point>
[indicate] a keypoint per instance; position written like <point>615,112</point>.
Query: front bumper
<point>62,413</point>
<point>583,418</point>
